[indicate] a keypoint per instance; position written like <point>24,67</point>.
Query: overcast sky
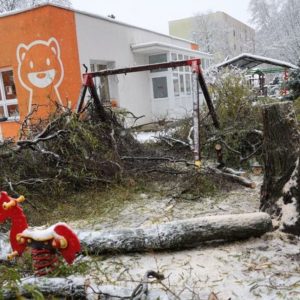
<point>155,14</point>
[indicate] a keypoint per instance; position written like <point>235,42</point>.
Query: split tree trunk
<point>280,190</point>
<point>176,235</point>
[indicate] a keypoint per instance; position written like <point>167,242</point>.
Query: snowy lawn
<point>259,268</point>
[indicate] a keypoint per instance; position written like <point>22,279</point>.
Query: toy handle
<point>13,202</point>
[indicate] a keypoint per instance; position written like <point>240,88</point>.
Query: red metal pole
<point>196,117</point>
<point>172,64</point>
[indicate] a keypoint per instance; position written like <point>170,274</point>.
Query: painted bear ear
<point>53,44</point>
<point>21,52</point>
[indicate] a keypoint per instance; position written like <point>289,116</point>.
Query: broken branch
<point>236,178</point>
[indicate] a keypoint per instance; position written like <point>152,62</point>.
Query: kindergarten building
<point>43,50</point>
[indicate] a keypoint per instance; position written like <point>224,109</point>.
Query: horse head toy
<point>46,243</point>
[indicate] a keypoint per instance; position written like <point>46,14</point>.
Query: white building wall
<point>107,40</point>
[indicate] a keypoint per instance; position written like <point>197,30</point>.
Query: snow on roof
<point>247,60</point>
<point>108,19</point>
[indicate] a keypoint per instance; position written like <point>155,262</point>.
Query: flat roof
<point>20,11</point>
<point>249,61</point>
<point>153,47</point>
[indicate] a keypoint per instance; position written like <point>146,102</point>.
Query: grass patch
<point>90,206</point>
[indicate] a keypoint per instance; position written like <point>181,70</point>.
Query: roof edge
<point>24,10</point>
<point>258,57</point>
<point>169,46</point>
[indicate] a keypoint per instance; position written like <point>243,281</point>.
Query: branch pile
<point>68,153</point>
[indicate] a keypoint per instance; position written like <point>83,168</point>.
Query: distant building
<point>45,47</point>
<point>216,33</point>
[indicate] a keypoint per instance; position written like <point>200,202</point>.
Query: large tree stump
<point>280,189</point>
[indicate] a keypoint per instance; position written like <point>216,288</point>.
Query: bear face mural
<point>40,71</point>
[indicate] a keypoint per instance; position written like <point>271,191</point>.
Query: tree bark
<point>280,189</point>
<point>78,288</point>
<point>176,235</point>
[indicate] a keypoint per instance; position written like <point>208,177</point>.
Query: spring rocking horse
<point>45,243</point>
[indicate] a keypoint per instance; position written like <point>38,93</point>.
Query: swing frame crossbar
<point>198,80</point>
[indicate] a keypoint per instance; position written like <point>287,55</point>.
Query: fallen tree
<point>174,235</point>
<point>280,192</point>
<point>177,234</point>
<point>81,288</point>
<point>75,151</point>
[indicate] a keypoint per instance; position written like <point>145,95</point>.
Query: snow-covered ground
<point>259,268</point>
<point>144,137</point>
<point>4,246</point>
<point>152,136</point>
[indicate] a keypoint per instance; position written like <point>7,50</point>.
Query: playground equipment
<point>198,80</point>
<point>46,243</point>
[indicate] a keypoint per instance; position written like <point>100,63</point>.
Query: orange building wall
<point>44,39</point>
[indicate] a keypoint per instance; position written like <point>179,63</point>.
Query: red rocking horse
<point>45,243</point>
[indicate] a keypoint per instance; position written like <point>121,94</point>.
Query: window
<point>160,87</point>
<point>187,68</point>
<point>8,96</point>
<point>156,59</point>
<point>188,83</point>
<point>181,76</point>
<point>182,79</point>
<point>101,83</point>
<point>176,84</point>
<point>180,57</point>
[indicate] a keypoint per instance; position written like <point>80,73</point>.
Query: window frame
<point>159,73</point>
<point>4,103</point>
<point>159,61</point>
<point>162,76</point>
<point>181,72</point>
<point>102,82</point>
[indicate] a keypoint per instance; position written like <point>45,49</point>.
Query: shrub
<point>294,82</point>
<point>237,114</point>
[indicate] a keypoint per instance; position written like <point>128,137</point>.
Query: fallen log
<point>77,288</point>
<point>177,234</point>
<point>229,174</point>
